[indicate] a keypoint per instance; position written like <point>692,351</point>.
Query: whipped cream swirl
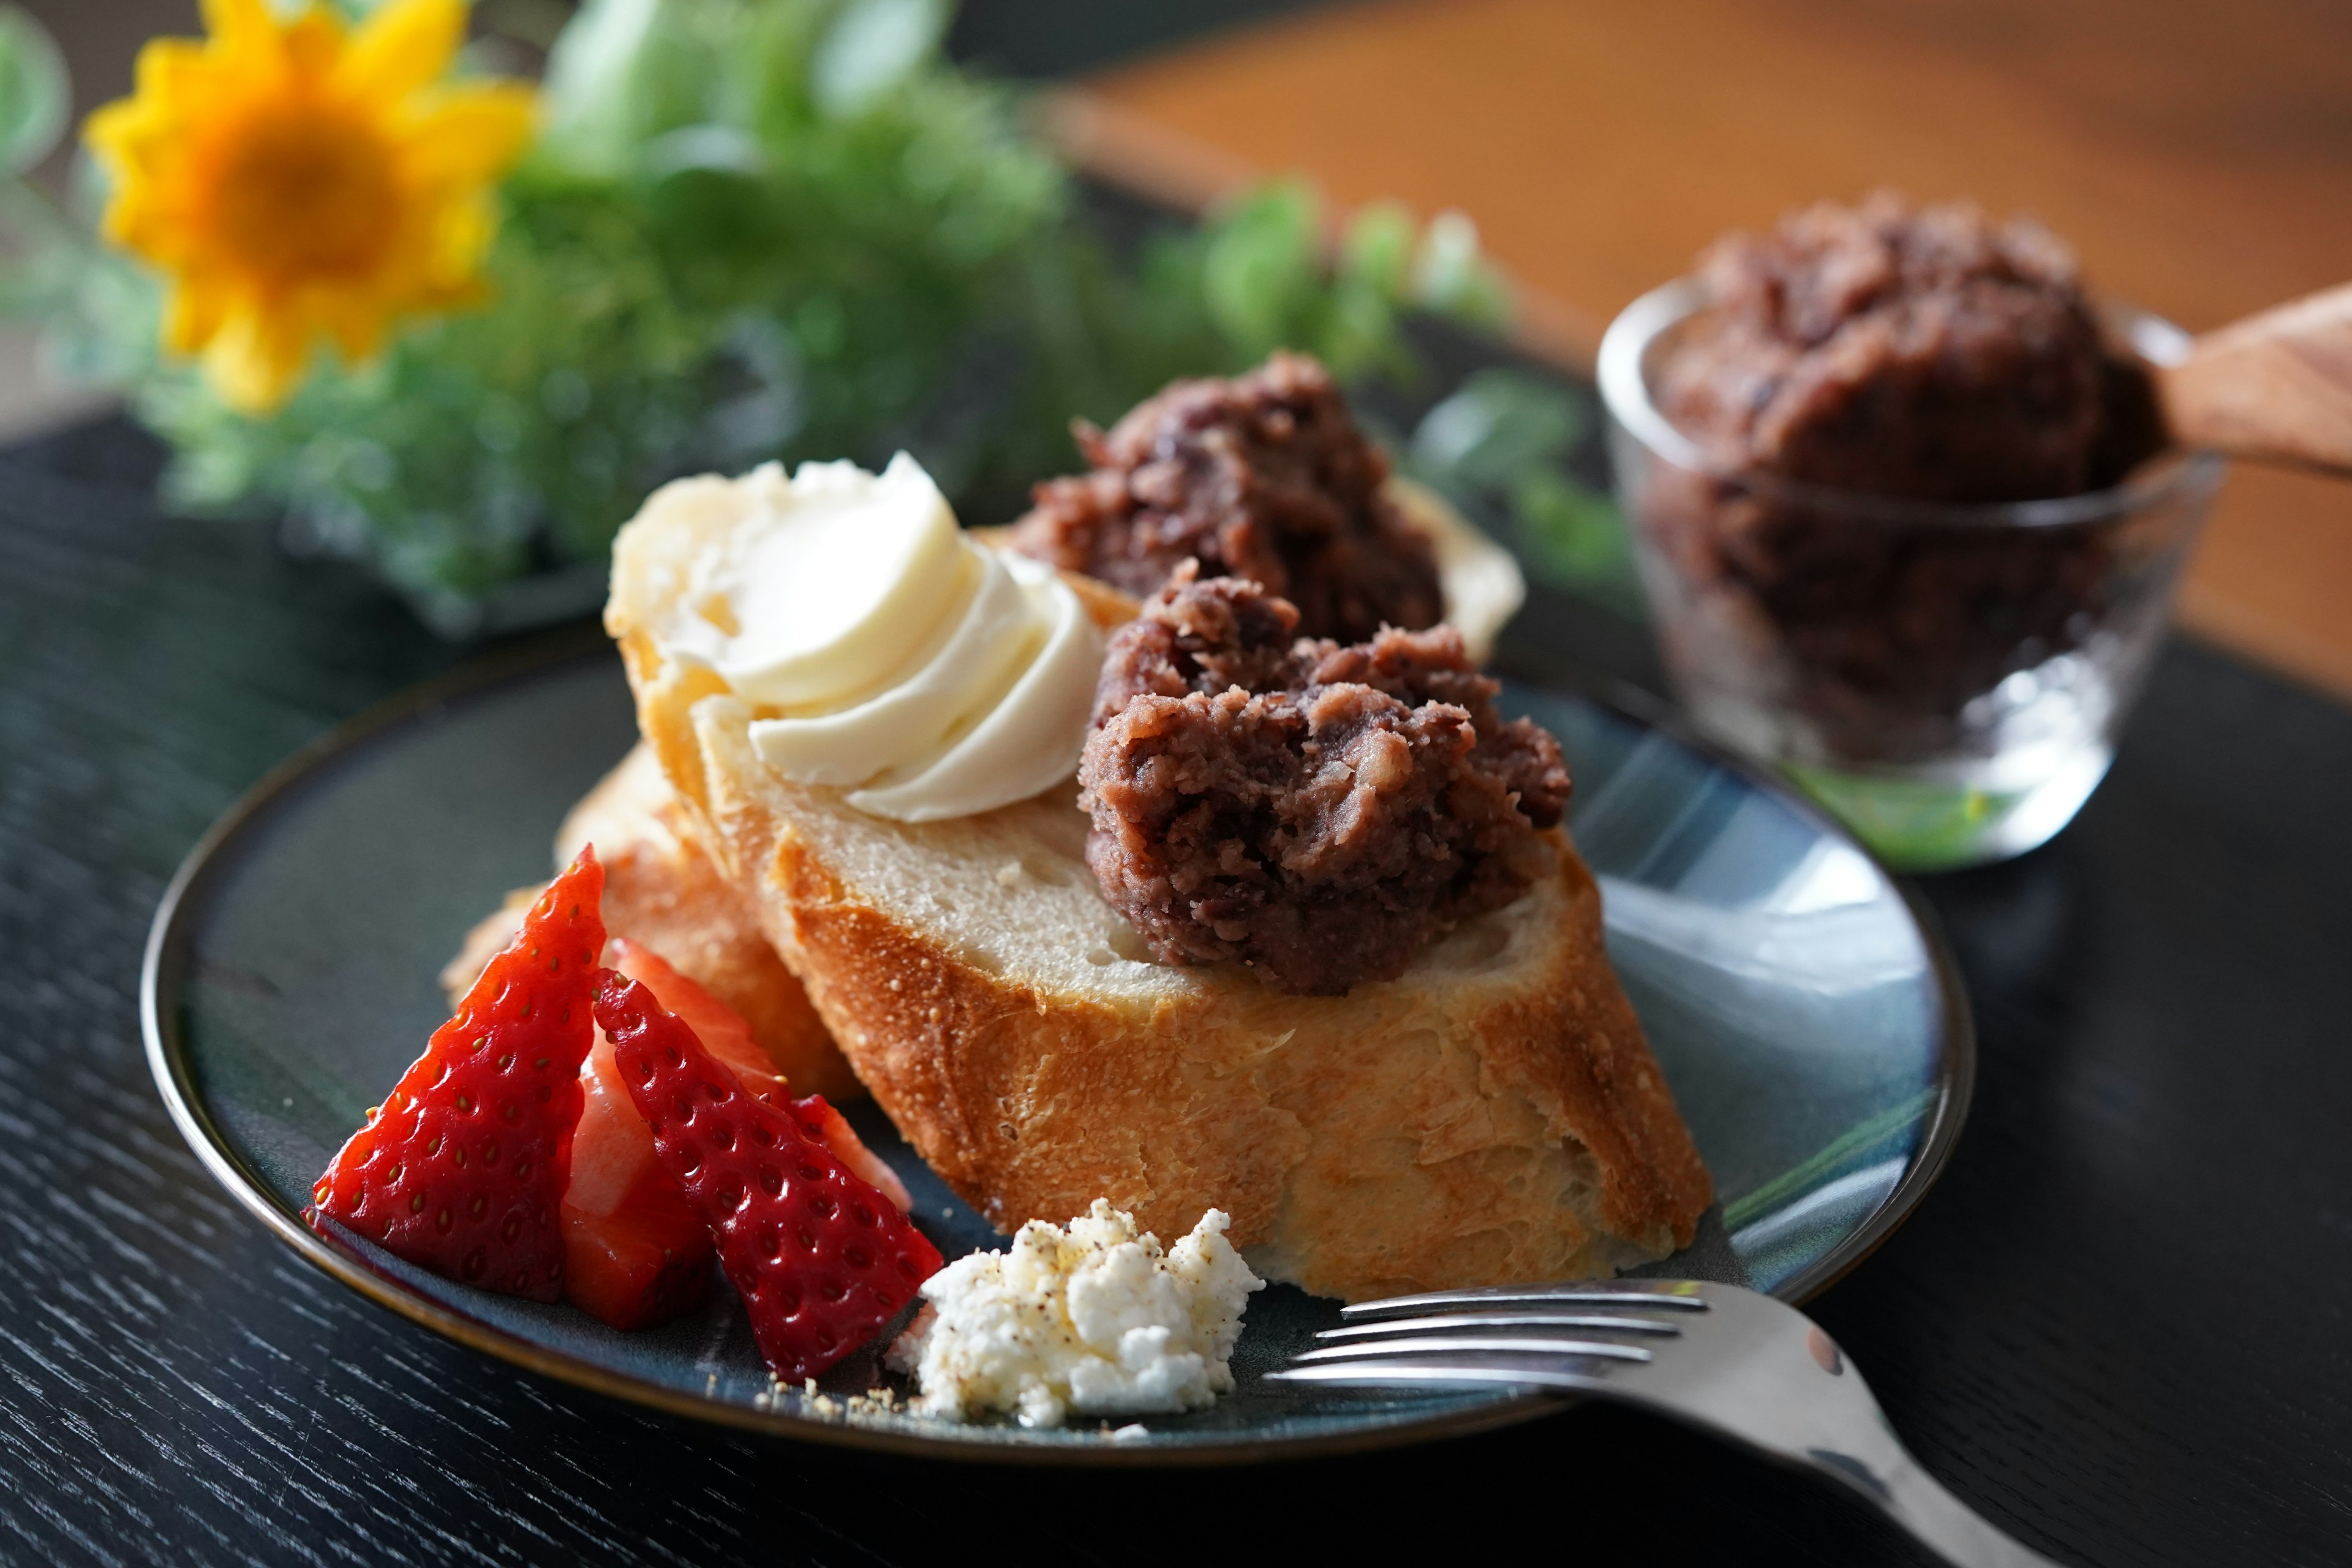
<point>892,655</point>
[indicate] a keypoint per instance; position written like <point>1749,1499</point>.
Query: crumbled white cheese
<point>1094,1321</point>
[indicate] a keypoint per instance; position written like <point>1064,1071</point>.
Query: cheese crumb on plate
<point>1091,1320</point>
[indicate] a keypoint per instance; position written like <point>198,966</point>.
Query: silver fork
<point>1717,1356</point>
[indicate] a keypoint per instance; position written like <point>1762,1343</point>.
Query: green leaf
<point>35,94</point>
<point>1575,538</point>
<point>1495,426</point>
<point>873,47</point>
<point>1507,435</point>
<point>621,72</point>
<point>1378,249</point>
<point>1452,277</point>
<point>1262,271</point>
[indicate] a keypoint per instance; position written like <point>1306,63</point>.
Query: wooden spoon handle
<point>2273,388</point>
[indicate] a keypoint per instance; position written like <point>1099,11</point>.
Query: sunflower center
<point>302,192</point>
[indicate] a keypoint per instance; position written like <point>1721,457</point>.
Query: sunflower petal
<point>171,72</point>
<point>457,245</point>
<point>193,314</point>
<point>402,48</point>
<point>255,361</point>
<point>111,131</point>
<point>239,23</point>
<point>357,324</point>
<point>313,44</point>
<point>470,133</point>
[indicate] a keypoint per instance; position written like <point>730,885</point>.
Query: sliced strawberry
<point>725,1034</point>
<point>635,1254</point>
<point>822,1122</point>
<point>463,1168</point>
<point>646,1262</point>
<point>612,1150</point>
<point>720,1028</point>
<point>634,1251</point>
<point>822,1260</point>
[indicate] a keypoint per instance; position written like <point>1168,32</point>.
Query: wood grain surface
<point>2116,1326</point>
<point>2198,156</point>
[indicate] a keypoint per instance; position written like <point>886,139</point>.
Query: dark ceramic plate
<point>1811,1026</point>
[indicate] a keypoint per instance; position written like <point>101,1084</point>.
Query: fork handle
<point>1933,1516</point>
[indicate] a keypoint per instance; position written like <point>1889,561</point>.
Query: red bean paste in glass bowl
<point>1909,354</point>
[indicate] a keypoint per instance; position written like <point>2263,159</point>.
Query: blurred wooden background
<point>2198,154</point>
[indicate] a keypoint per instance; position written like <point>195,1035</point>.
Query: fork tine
<point>1680,1294</point>
<point>1593,1321</point>
<point>1429,1345</point>
<point>1535,1373</point>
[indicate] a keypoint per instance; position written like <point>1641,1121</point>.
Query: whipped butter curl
<point>890,654</point>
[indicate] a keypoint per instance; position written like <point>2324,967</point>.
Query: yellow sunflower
<point>298,180</point>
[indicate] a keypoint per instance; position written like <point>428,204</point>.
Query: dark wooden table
<point>2119,1326</point>
<point>2122,1325</point>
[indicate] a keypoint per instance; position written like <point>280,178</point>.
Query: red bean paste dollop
<point>1263,476</point>
<point>1321,810</point>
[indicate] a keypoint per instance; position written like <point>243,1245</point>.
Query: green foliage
<point>756,229</point>
<point>34,95</point>
<point>1502,442</point>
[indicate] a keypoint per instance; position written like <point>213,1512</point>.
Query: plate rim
<point>164,964</point>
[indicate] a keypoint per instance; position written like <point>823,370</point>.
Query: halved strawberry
<point>462,1167</point>
<point>822,1258</point>
<point>725,1034</point>
<point>611,1152</point>
<point>822,1122</point>
<point>642,1264</point>
<point>634,1251</point>
<point>720,1028</point>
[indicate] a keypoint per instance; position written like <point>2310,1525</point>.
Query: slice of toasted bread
<point>1493,1115</point>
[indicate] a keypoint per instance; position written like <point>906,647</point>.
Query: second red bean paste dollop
<point>1264,476</point>
<point>1321,810</point>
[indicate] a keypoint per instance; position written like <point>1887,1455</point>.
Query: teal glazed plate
<point>1809,1023</point>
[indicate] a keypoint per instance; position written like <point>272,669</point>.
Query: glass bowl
<point>1948,678</point>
